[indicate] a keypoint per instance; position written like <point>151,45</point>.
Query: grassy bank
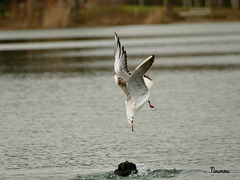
<point>60,17</point>
<point>105,16</point>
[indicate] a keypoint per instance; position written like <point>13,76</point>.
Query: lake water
<point>63,117</point>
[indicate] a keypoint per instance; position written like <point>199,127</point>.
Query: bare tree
<point>234,4</point>
<point>186,4</point>
<point>165,3</point>
<point>207,3</point>
<point>219,3</point>
<point>14,8</point>
<point>211,3</point>
<point>196,3</point>
<point>30,9</point>
<point>141,2</point>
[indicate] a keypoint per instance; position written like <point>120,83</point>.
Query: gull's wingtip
<point>152,57</point>
<point>116,37</point>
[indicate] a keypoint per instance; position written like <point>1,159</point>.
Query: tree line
<point>74,4</point>
<point>57,13</point>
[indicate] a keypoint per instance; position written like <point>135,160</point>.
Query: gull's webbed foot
<point>151,106</point>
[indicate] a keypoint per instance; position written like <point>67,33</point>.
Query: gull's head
<point>130,122</point>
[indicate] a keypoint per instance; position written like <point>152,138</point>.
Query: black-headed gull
<point>136,85</point>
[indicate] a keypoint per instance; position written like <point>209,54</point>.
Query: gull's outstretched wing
<point>120,64</point>
<point>136,84</point>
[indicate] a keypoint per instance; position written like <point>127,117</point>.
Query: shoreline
<point>136,24</point>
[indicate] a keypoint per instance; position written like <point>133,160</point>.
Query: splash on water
<point>144,171</point>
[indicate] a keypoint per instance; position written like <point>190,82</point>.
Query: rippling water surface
<point>63,117</point>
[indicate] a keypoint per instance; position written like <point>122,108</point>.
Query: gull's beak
<point>132,128</point>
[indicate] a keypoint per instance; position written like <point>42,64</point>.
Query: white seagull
<point>136,85</point>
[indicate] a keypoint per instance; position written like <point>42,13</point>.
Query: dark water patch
<point>84,55</point>
<point>80,69</point>
<point>187,54</point>
<point>55,69</point>
<point>155,174</point>
<point>197,54</point>
<point>82,65</point>
<point>55,45</point>
<point>110,37</point>
<point>199,67</point>
<point>102,53</point>
<point>108,175</point>
<point>108,43</point>
<point>58,39</point>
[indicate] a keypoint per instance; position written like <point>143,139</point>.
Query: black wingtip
<point>153,57</point>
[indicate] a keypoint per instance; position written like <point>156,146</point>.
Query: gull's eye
<point>132,121</point>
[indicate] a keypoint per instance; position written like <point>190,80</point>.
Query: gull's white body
<point>136,85</point>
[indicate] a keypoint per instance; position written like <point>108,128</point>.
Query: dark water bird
<point>136,85</point>
<point>126,168</point>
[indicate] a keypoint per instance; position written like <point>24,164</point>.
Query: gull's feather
<point>120,63</point>
<point>136,84</point>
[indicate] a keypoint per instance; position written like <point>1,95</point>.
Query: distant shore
<point>117,15</point>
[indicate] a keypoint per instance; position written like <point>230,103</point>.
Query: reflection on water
<point>190,46</point>
<point>63,117</point>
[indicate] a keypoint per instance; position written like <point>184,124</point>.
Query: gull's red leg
<point>151,106</point>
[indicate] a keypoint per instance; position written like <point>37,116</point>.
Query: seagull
<point>136,85</point>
